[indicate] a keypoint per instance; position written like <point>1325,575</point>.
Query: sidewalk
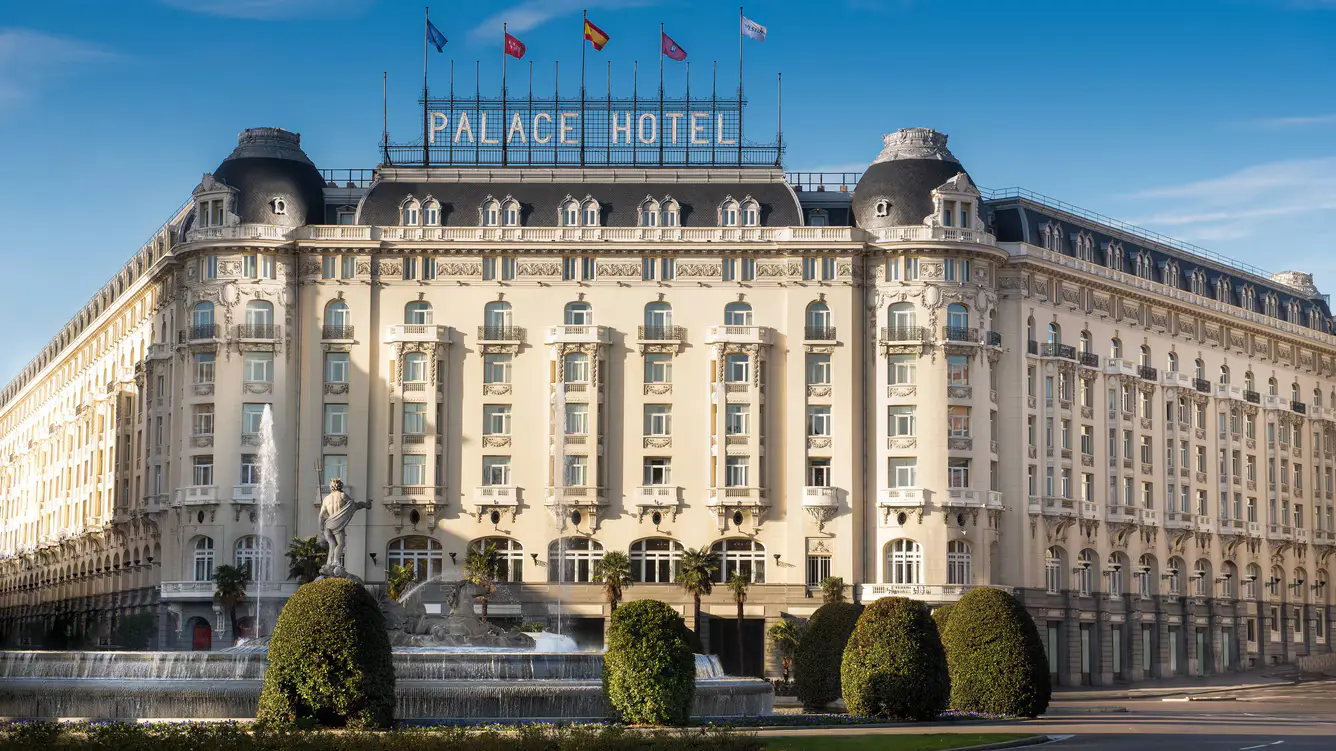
<point>1275,675</point>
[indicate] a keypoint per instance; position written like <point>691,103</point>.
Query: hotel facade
<point>907,383</point>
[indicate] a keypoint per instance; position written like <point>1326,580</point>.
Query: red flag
<point>670,48</point>
<point>514,47</point>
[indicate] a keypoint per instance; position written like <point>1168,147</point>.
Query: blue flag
<point>435,37</point>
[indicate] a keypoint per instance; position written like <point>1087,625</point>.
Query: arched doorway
<point>201,634</point>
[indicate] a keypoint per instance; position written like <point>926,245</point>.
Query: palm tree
<point>230,589</point>
<point>397,579</point>
<point>832,589</point>
<point>738,583</point>
<point>480,570</point>
<point>305,557</point>
<point>785,634</point>
<point>696,576</point>
<point>614,570</point>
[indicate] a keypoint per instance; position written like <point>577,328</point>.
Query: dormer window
<point>649,213</point>
<point>431,213</point>
<point>948,213</point>
<point>670,213</point>
<point>881,208</point>
<point>278,206</point>
<point>570,213</point>
<point>510,213</point>
<point>409,213</point>
<point>211,212</point>
<point>590,213</point>
<point>751,214</point>
<point>491,213</point>
<point>728,214</point>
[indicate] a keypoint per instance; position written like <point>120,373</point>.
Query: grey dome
<point>912,163</point>
<point>272,174</point>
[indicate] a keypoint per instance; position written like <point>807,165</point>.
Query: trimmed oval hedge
<point>816,661</point>
<point>329,660</point>
<point>649,670</point>
<point>940,615</point>
<point>894,667</point>
<point>997,661</point>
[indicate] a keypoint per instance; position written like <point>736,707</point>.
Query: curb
<point>1084,710</point>
<point>1156,693</point>
<point>1033,740</point>
<point>1201,698</point>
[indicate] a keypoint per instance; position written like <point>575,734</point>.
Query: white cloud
<point>530,14</point>
<point>269,10</point>
<point>1303,121</point>
<point>31,60</point>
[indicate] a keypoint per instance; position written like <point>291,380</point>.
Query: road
<point>1275,718</point>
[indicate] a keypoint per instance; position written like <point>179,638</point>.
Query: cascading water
<point>266,502</point>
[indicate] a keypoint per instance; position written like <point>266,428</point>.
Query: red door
<point>201,637</point>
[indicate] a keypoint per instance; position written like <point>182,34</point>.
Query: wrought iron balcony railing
<point>336,331</point>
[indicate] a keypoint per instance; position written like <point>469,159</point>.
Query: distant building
<point>907,384</point>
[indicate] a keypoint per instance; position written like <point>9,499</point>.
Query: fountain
<point>267,509</point>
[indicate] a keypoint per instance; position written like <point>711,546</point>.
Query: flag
<point>752,29</point>
<point>670,48</point>
<point>598,37</point>
<point>514,47</point>
<point>435,37</point>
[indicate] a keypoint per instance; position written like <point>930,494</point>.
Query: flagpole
<point>505,39</point>
<point>556,106</point>
<point>385,116</point>
<point>635,108</point>
<point>609,162</point>
<point>426,22</point>
<point>448,139</point>
<point>740,18</point>
<point>659,124</point>
<point>584,14</point>
<point>714,109</point>
<point>779,118</point>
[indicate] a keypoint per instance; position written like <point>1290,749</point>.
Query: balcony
<point>200,333</point>
<point>670,334</point>
<point>960,334</point>
<point>337,332</point>
<point>936,593</point>
<point>1299,408</point>
<point>496,498</point>
<point>159,351</point>
<point>1178,520</point>
<point>966,498</point>
<point>1271,401</point>
<point>1176,379</point>
<point>1205,524</point>
<point>730,503</point>
<point>256,331</point>
<point>1032,347</point>
<point>196,495</point>
<point>411,493</point>
<point>894,499</point>
<point>1301,535</point>
<point>1225,391</point>
<point>245,494</point>
<point>994,339</point>
<point>1052,349</point>
<point>414,332</point>
<point>1089,359</point>
<point>1115,512</point>
<point>193,590</point>
<point>1147,373</point>
<point>1279,532</point>
<point>1251,396</point>
<point>819,333</point>
<point>737,335</point>
<point>577,334</point>
<point>821,503</point>
<point>659,498</point>
<point>576,495</point>
<point>1116,366</point>
<point>907,334</point>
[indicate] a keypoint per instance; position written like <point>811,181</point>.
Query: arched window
<point>1229,580</point>
<point>431,213</point>
<point>1224,375</point>
<point>509,557</point>
<point>655,560</point>
<point>490,215</point>
<point>572,559</point>
<point>1117,563</point>
<point>1148,576</point>
<point>1171,363</point>
<point>408,213</point>
<point>1173,576</point>
<point>203,559</point>
<point>901,316</point>
<point>257,553</point>
<point>818,320</point>
<point>1249,382</point>
<point>1085,342</point>
<point>202,315</point>
<point>649,213</point>
<point>259,313</point>
<point>1294,392</point>
<point>1203,583</point>
<point>497,317</point>
<point>1323,586</point>
<point>904,562</point>
<point>579,313</point>
<point>590,213</point>
<point>1029,329</point>
<point>418,552</point>
<point>1116,348</point>
<point>957,317</point>
<point>670,213</point>
<point>570,213</point>
<point>415,367</point>
<point>658,318</point>
<point>510,213</point>
<point>728,214</point>
<point>737,314</point>
<point>751,214</point>
<point>959,563</point>
<point>742,555</point>
<point>417,313</point>
<point>1273,387</point>
<point>1250,581</point>
<point>337,314</point>
<point>1054,333</point>
<point>1317,399</point>
<point>1146,356</point>
<point>575,366</point>
<point>1085,572</point>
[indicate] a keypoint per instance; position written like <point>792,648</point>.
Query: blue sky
<point>1212,121</point>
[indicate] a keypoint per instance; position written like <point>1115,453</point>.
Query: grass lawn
<point>888,742</point>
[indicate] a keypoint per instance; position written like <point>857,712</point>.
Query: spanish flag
<point>595,35</point>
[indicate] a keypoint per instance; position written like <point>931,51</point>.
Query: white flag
<point>752,29</point>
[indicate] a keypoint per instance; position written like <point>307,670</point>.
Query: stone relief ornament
<point>699,270</point>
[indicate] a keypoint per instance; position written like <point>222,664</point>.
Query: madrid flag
<point>514,47</point>
<point>670,48</point>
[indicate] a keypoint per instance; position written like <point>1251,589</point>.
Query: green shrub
<point>329,660</point>
<point>894,667</point>
<point>136,631</point>
<point>649,671</point>
<point>997,661</point>
<point>940,615</point>
<point>816,661</point>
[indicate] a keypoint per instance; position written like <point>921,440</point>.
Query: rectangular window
<point>658,419</point>
<point>737,368</point>
<point>415,418</point>
<point>818,569</point>
<point>249,268</point>
<point>658,367</point>
<point>496,368</point>
<point>332,466</point>
<point>818,473</point>
<point>901,369</point>
<point>902,472</point>
<point>204,363</point>
<point>657,471</point>
<point>818,421</point>
<point>958,421</point>
<point>336,419</point>
<point>730,269</point>
<point>203,470</point>
<point>210,267</point>
<point>900,420</point>
<point>250,470</point>
<point>818,370</point>
<point>958,370</point>
<point>203,419</point>
<point>496,470</point>
<point>1087,440</point>
<point>736,419</point>
<point>337,365</point>
<point>748,269</point>
<point>348,268</point>
<point>577,419</point>
<point>251,416</point>
<point>828,268</point>
<point>911,269</point>
<point>809,268</point>
<point>489,271</point>
<point>414,470</point>
<point>648,270</point>
<point>496,419</point>
<point>958,473</point>
<point>258,367</point>
<point>737,471</point>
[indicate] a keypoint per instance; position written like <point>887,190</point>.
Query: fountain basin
<point>431,685</point>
